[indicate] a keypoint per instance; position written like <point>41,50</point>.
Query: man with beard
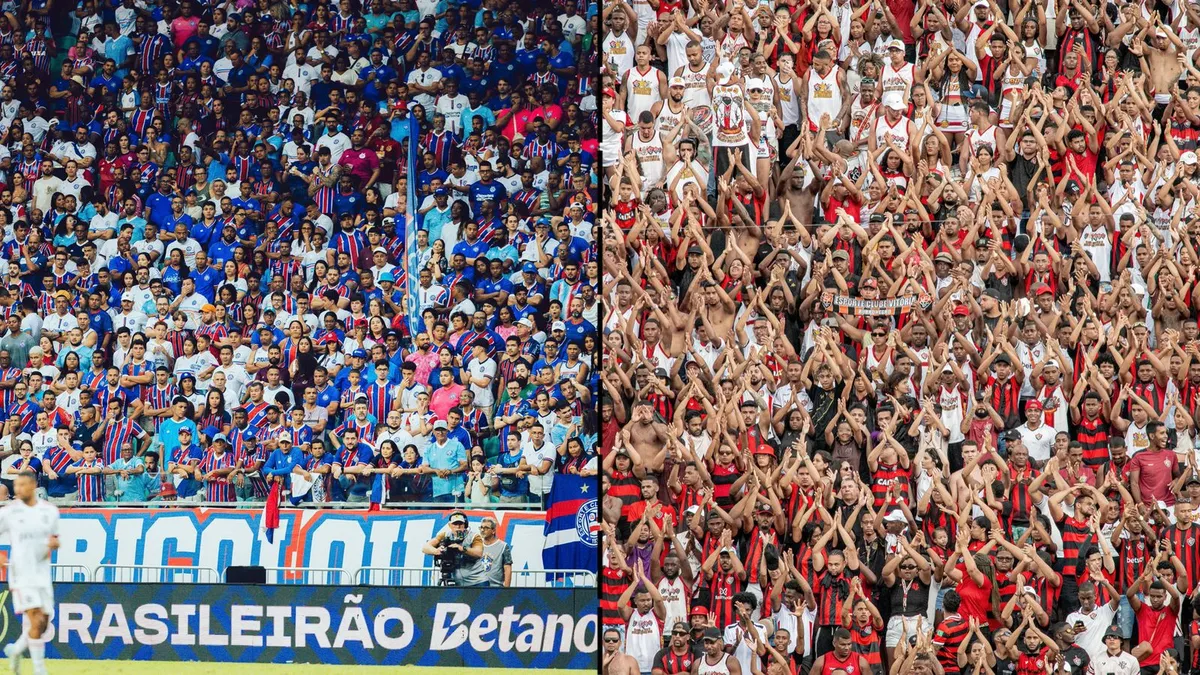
<point>644,619</point>
<point>678,655</point>
<point>715,660</point>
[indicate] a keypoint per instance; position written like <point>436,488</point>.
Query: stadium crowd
<point>901,364</point>
<point>215,276</point>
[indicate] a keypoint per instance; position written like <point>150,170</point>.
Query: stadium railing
<point>431,576</point>
<point>304,576</point>
<point>162,574</point>
<point>407,506</point>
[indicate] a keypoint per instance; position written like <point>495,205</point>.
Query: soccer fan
<point>899,331</point>
<point>221,235</point>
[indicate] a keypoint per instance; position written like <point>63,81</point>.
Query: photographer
<point>459,552</point>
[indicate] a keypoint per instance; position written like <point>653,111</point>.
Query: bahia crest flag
<point>572,524</point>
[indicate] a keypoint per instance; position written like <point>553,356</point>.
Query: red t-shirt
<point>1157,469</point>
<point>1158,628</point>
<point>976,599</point>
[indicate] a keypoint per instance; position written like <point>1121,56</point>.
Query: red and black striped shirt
<point>723,587</point>
<point>612,585</point>
<point>1075,533</point>
<point>1183,544</point>
<point>1092,434</point>
<point>949,637</point>
<point>832,592</point>
<point>1135,554</point>
<point>1022,504</point>
<point>883,478</point>
<point>1006,399</point>
<point>673,664</point>
<point>866,644</point>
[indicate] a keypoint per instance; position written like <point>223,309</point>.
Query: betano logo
<point>282,626</point>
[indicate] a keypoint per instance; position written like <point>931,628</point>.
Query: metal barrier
<point>163,574</point>
<point>431,576</point>
<point>398,576</point>
<point>58,573</point>
<point>304,576</point>
<point>553,579</point>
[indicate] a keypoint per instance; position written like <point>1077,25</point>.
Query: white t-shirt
<point>1095,623</point>
<point>539,485</point>
<point>483,395</point>
<point>1038,441</point>
<point>29,529</point>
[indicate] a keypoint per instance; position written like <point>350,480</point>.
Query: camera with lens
<point>449,561</point>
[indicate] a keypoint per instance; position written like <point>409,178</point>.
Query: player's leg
<point>38,622</point>
<point>16,650</point>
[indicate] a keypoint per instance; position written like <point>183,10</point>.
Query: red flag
<point>271,511</point>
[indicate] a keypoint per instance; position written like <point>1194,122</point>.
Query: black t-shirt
<point>824,403</point>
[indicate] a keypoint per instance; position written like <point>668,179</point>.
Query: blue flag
<point>572,524</point>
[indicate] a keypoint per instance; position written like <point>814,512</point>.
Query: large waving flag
<point>572,524</point>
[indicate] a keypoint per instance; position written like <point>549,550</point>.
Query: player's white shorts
<point>33,597</point>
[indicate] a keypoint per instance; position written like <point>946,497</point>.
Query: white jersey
<point>788,101</point>
<point>898,132</point>
<point>1055,416</point>
<point>618,53</point>
<point>29,530</point>
<point>824,96</point>
<point>952,401</point>
<point>650,157</point>
<point>1098,244</point>
<point>641,91</point>
<point>729,113</point>
<point>897,82</point>
<point>977,139</point>
<point>720,668</point>
<point>643,638</point>
<point>675,596</point>
<point>696,97</point>
<point>668,119</point>
<point>861,117</point>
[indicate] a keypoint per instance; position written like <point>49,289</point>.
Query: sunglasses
<point>610,641</point>
<point>679,632</point>
<point>908,567</point>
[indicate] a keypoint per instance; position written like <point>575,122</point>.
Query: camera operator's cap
<point>1113,632</point>
<point>677,82</point>
<point>458,519</point>
<point>440,424</point>
<point>899,44</point>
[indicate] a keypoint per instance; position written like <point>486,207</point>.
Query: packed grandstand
<point>901,364</point>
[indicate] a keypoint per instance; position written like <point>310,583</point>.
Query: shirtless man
<point>615,661</point>
<point>643,434</point>
<point>1162,53</point>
